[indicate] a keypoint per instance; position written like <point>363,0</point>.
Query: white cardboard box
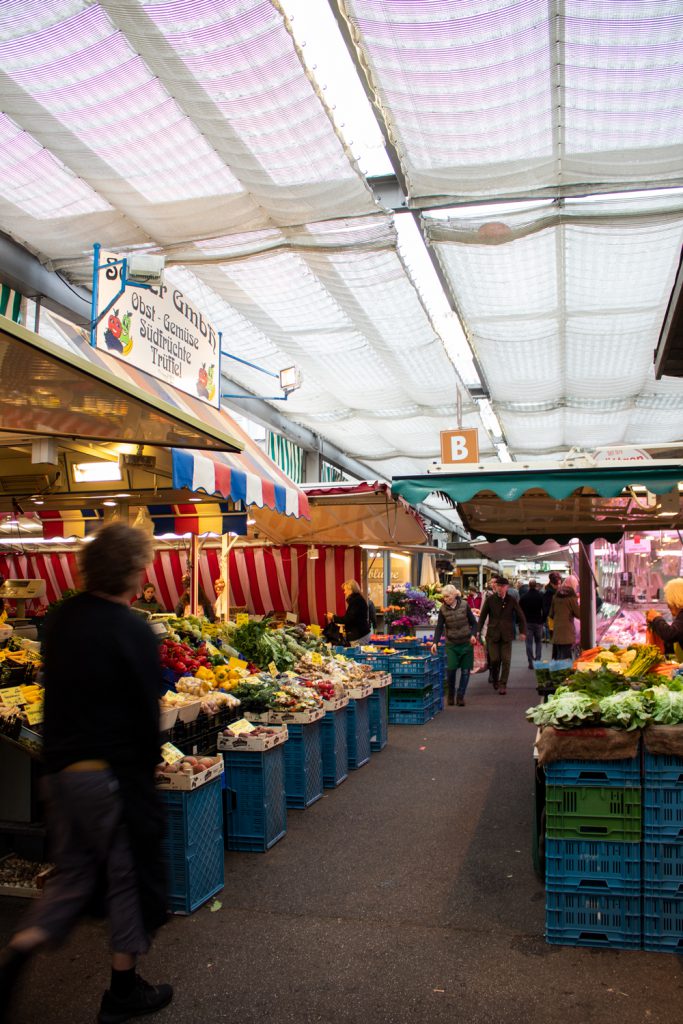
<point>359,692</point>
<point>336,704</point>
<point>245,741</point>
<point>183,781</point>
<point>379,680</point>
<point>296,717</point>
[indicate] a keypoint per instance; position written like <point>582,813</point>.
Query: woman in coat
<point>356,618</point>
<point>565,613</point>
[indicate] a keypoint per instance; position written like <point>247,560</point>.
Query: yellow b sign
<point>458,446</point>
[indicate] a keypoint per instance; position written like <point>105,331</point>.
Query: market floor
<point>405,895</point>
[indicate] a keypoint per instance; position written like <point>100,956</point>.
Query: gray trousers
<point>89,845</point>
<point>500,655</point>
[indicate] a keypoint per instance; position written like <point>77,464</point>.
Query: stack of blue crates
<point>303,764</point>
<point>255,801</point>
<point>416,691</point>
<point>335,747</point>
<point>358,733</point>
<point>378,707</point>
<point>193,845</point>
<point>663,853</point>
<point>594,853</point>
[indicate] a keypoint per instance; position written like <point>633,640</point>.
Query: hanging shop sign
<point>458,446</point>
<point>156,329</point>
<point>623,454</point>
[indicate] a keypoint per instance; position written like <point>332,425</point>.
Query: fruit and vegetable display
<point>623,688</point>
<point>262,645</point>
<point>182,771</point>
<point>25,876</point>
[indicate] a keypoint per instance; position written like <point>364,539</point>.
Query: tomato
<point>115,325</point>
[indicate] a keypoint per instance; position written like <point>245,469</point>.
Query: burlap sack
<point>594,743</point>
<point>664,739</point>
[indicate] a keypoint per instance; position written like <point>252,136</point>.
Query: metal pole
<point>587,594</point>
<point>194,575</point>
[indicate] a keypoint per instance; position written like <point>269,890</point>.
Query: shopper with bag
<point>456,620</point>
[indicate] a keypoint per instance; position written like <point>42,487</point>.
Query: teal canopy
<point>554,503</point>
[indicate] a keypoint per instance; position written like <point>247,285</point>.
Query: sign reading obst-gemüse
<point>160,331</point>
<point>458,446</point>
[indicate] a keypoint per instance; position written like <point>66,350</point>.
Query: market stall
<point>525,502</point>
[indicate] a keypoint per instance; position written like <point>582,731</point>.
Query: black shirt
<point>102,686</point>
<point>356,619</point>
<point>531,604</point>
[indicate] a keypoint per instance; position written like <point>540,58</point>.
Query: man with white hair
<point>457,621</point>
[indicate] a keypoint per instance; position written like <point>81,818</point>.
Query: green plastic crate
<point>585,812</point>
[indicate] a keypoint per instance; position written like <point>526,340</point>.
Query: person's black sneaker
<point>460,701</point>
<point>143,998</point>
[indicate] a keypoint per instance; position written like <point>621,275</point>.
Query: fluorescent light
<point>329,64</point>
<point>444,321</point>
<point>489,418</point>
<point>110,504</point>
<point>95,472</point>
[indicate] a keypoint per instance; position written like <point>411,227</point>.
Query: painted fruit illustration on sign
<point>206,387</point>
<point>126,339</point>
<point>117,335</point>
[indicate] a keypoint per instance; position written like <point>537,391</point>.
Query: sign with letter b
<point>459,446</point>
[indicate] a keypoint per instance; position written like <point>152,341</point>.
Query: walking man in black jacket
<point>499,609</point>
<point>531,604</point>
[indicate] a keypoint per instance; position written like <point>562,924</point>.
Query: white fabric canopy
<point>202,130</point>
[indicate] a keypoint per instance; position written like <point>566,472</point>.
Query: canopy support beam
<point>587,594</point>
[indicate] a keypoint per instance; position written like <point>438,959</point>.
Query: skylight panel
<point>37,182</point>
<point>55,67</point>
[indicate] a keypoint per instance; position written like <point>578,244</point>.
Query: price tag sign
<point>237,663</point>
<point>291,617</point>
<point>34,713</point>
<point>236,728</point>
<point>242,619</point>
<point>316,658</point>
<point>291,675</point>
<point>12,696</point>
<point>171,754</point>
<point>272,668</point>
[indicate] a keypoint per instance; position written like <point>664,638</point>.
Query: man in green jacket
<point>500,609</point>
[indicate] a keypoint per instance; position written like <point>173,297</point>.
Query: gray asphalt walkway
<point>405,895</point>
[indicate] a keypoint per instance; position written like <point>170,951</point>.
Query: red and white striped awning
<point>262,579</point>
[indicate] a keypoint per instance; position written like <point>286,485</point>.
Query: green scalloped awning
<point>557,483</point>
<point>558,503</point>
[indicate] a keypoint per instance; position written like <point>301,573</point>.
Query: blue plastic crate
<point>193,846</point>
<point>663,868</point>
<point>437,705</point>
<point>303,765</point>
<point>410,700</point>
<point>379,662</point>
<point>192,816</point>
<point>335,748</point>
<point>378,708</point>
<point>593,919</point>
<point>662,813</point>
<point>358,713</point>
<point>580,865</point>
<point>415,682</point>
<point>409,717</point>
<point>413,665</point>
<point>661,769</point>
<point>255,802</point>
<point>625,772</point>
<point>663,923</point>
